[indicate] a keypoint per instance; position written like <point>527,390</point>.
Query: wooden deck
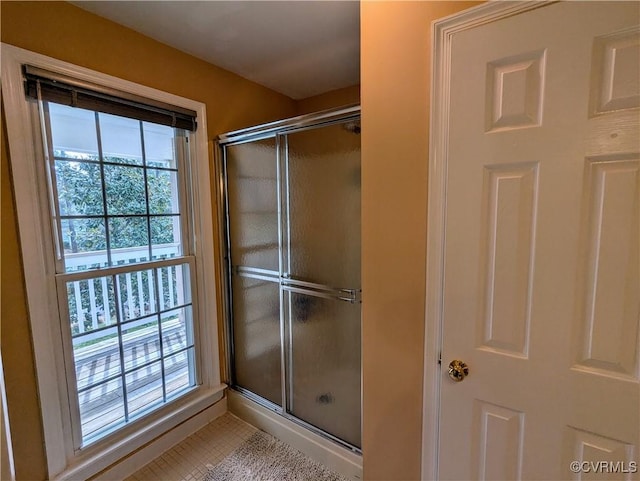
<point>100,381</point>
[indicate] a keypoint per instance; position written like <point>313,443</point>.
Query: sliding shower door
<point>293,225</point>
<point>252,203</point>
<point>323,249</point>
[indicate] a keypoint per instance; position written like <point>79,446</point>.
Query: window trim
<point>38,262</point>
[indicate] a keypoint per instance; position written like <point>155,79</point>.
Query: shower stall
<point>290,206</point>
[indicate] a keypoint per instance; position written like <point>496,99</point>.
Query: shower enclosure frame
<point>274,130</point>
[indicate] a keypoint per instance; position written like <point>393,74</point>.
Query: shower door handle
<point>320,290</point>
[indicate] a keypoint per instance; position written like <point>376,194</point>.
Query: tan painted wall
<point>17,352</point>
<point>395,70</point>
<point>63,31</point>
<point>335,98</point>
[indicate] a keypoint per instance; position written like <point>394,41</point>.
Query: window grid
<point>123,385</point>
<point>121,325</point>
<point>146,188</point>
<point>103,186</point>
<point>103,161</point>
<point>119,274</point>
<point>130,321</point>
<point>109,163</point>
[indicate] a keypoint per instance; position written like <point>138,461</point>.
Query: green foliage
<point>127,187</point>
<point>79,189</point>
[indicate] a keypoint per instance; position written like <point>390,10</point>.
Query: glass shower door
<point>252,202</point>
<point>293,238</point>
<point>321,263</point>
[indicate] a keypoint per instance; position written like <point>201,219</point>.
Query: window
<point>123,271</point>
<point>111,195</point>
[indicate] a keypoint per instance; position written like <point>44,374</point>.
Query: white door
<point>541,247</point>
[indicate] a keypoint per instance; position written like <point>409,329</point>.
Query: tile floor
<point>188,460</point>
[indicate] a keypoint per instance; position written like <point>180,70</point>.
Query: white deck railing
<point>138,302</point>
<point>143,367</point>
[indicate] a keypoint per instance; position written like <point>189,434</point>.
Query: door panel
<point>541,269</point>
<point>324,360</point>
<point>253,204</point>
<point>501,430</point>
<point>256,336</point>
<point>324,206</point>
<point>608,341</point>
<point>508,223</point>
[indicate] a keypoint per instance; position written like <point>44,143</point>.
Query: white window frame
<point>63,462</point>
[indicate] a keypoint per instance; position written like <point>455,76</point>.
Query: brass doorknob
<point>458,370</point>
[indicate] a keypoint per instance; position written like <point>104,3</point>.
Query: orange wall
<point>17,352</point>
<point>395,70</point>
<point>335,98</point>
<point>66,32</point>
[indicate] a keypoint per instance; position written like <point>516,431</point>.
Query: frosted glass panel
<point>253,204</point>
<point>325,360</point>
<point>256,337</point>
<point>324,207</point>
<point>294,211</point>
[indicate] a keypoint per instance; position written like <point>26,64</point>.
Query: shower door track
<point>281,412</point>
<point>286,283</point>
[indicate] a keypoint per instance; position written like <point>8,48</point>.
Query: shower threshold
<point>318,445</point>
<point>290,417</point>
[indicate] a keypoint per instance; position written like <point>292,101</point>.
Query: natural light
<point>117,198</point>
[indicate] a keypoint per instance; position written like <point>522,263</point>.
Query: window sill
<point>100,458</point>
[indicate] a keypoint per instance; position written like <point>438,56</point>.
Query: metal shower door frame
<point>279,131</point>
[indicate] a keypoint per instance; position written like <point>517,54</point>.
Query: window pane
<point>73,132</point>
<point>177,330</point>
<point>158,145</point>
<point>125,190</point>
<point>178,372</point>
<point>163,191</point>
<point>144,389</point>
<point>97,357</point>
<point>101,408</point>
<point>91,304</point>
<point>84,243</point>
<point>120,138</point>
<point>79,186</point>
<point>136,294</point>
<point>165,237</point>
<point>140,342</point>
<point>129,232</point>
<point>173,286</point>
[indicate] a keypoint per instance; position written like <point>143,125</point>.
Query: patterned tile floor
<point>188,460</point>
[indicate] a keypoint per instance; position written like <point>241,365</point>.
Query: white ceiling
<point>298,48</point>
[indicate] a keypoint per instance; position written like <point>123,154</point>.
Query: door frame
<point>442,33</point>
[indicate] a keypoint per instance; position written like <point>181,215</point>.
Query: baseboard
<point>160,445</point>
<point>328,453</point>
